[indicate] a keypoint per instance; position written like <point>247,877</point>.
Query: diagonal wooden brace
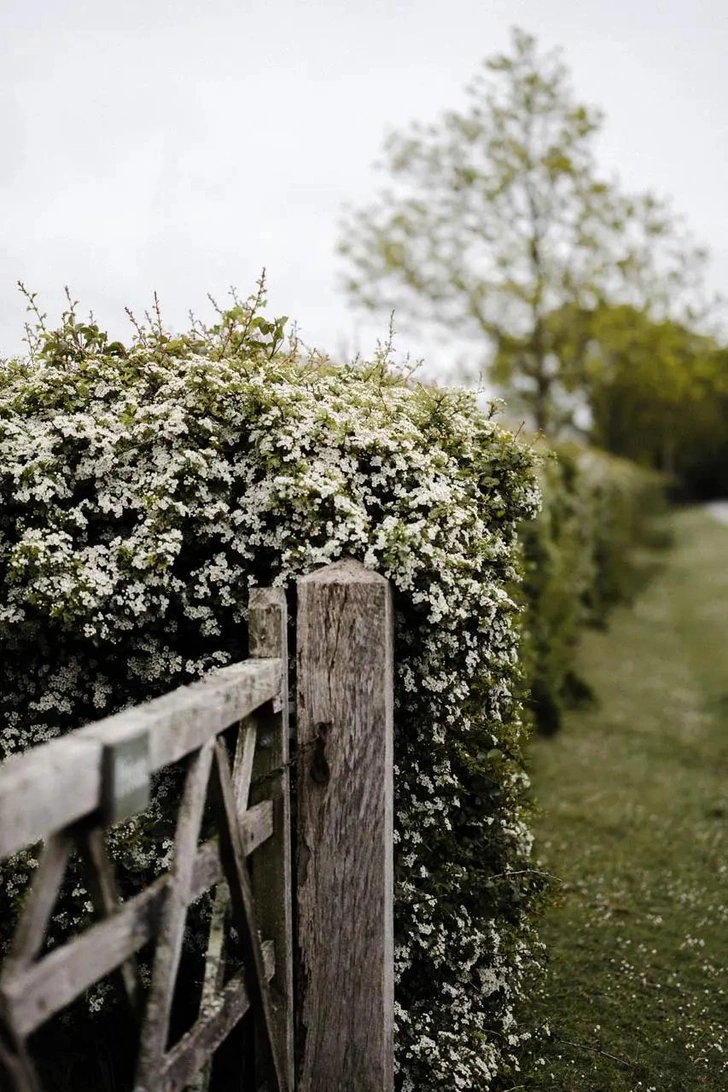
<point>232,856</point>
<point>155,1029</point>
<point>15,1062</point>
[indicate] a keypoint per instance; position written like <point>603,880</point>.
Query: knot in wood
<point>319,768</point>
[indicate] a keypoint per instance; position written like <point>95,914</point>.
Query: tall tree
<point>499,217</point>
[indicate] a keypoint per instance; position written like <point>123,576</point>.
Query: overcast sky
<point>183,146</point>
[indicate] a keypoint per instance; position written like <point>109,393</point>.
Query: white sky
<point>183,146</point>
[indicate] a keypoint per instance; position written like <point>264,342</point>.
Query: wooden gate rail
<point>70,790</point>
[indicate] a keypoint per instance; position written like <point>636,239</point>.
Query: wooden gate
<point>70,791</point>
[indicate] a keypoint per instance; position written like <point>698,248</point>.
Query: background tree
<point>498,218</point>
<point>656,390</point>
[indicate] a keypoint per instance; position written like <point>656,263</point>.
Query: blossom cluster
<point>147,488</point>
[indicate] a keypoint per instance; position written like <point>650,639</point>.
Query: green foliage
<point>498,217</point>
<point>580,560</point>
<point>653,391</point>
<point>146,487</point>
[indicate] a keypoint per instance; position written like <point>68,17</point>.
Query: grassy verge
<point>635,822</point>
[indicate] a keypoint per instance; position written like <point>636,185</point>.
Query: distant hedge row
<point>581,557</point>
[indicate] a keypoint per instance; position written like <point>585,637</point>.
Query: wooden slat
<point>243,765</point>
<point>59,782</point>
<point>31,928</point>
<point>155,1029</point>
<point>34,994</point>
<point>214,1025</point>
<point>16,1064</point>
<point>241,898</point>
<point>104,892</point>
<point>19,1069</point>
<point>271,879</point>
<point>215,955</point>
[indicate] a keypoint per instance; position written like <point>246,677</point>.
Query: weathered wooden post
<point>345,988</point>
<point>268,628</point>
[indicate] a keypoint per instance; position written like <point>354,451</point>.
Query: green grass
<point>634,799</point>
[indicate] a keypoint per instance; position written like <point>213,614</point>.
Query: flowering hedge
<point>146,487</point>
<point>579,561</point>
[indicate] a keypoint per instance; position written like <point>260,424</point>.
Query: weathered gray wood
<point>267,637</point>
<point>345,872</point>
<point>59,782</point>
<point>215,955</point>
<point>104,892</point>
<point>88,779</point>
<point>243,764</point>
<point>214,1025</point>
<point>18,1069</point>
<point>40,900</point>
<point>155,1029</point>
<point>16,1065</point>
<point>272,883</point>
<point>243,910</point>
<point>34,993</point>
<point>242,773</point>
<point>126,784</point>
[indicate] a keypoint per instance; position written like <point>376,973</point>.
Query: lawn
<point>634,821</point>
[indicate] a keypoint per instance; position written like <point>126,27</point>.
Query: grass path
<point>635,821</point>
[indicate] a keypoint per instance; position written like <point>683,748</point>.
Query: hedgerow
<point>147,486</point>
<point>579,562</point>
